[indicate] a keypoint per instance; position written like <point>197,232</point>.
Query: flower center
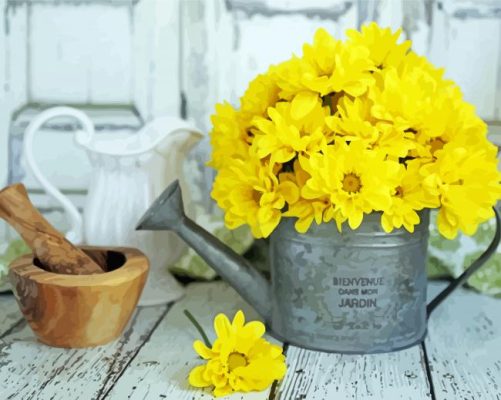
<point>236,360</point>
<point>351,183</point>
<point>436,144</point>
<point>256,196</point>
<point>399,192</point>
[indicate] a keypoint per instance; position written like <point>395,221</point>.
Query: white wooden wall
<point>146,55</point>
<point>109,54</point>
<point>241,38</point>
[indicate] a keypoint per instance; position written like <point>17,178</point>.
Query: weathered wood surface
<point>153,358</point>
<point>161,368</point>
<point>31,370</point>
<point>464,346</point>
<point>9,314</point>
<point>317,376</point>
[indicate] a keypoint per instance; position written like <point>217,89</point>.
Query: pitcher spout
<point>167,213</point>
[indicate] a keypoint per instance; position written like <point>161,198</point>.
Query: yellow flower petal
<point>254,329</point>
<point>202,350</point>
<point>289,191</point>
<point>238,319</point>
<point>196,378</point>
<point>220,380</point>
<point>222,326</point>
<point>386,223</point>
<point>355,219</point>
<point>222,391</point>
<point>303,224</point>
<point>303,104</point>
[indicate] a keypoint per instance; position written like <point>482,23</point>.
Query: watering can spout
<point>167,213</point>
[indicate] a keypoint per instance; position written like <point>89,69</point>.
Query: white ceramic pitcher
<point>128,173</point>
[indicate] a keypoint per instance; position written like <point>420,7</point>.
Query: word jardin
<point>358,303</point>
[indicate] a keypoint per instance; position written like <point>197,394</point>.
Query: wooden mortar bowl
<point>80,310</point>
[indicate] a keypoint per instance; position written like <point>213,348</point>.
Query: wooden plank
<point>160,370</point>
<point>29,369</point>
<point>315,375</point>
<point>9,313</point>
<point>463,346</point>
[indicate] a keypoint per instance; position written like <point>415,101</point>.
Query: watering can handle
<point>75,234</point>
<point>460,280</point>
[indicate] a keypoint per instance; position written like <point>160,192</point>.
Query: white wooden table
<point>460,359</point>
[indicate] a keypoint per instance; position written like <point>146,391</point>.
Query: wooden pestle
<point>51,248</point>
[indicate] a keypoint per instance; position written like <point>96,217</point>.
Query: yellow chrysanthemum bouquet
<point>350,128</point>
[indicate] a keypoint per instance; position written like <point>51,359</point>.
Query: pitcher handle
<point>470,270</point>
<point>75,234</point>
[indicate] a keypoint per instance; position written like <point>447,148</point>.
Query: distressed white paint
<point>161,368</point>
<point>463,346</point>
<point>80,53</point>
<point>469,49</point>
<point>29,369</point>
<point>16,54</point>
<point>156,46</point>
<point>13,82</point>
<point>4,104</point>
<point>225,44</point>
<point>317,376</point>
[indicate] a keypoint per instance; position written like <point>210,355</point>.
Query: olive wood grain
<point>75,311</point>
<point>55,253</point>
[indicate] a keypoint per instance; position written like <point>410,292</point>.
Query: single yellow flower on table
<point>240,360</point>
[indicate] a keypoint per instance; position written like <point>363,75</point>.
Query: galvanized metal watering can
<point>360,291</point>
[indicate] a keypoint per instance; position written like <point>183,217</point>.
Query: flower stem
<point>198,327</point>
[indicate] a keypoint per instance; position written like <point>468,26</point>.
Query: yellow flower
<point>240,360</point>
<point>282,137</point>
<point>402,99</point>
<point>353,121</point>
<point>261,93</point>
<point>381,43</point>
<point>249,192</point>
<point>468,184</point>
<point>346,174</point>
<point>448,119</point>
<point>228,138</point>
<point>348,128</point>
<point>327,66</point>
<point>321,55</point>
<point>289,75</point>
<point>304,210</point>
<point>351,73</point>
<point>407,198</point>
